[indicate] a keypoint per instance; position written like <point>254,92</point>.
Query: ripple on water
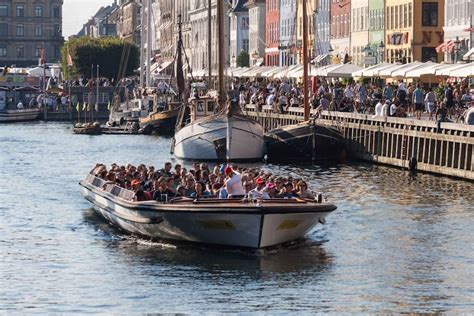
<point>396,243</point>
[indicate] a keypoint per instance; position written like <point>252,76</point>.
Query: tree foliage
<point>105,52</point>
<point>243,59</point>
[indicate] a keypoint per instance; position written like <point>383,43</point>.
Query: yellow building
<point>310,8</point>
<point>414,28</point>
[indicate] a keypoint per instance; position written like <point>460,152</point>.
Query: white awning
<point>464,71</point>
<point>369,71</point>
<point>428,68</point>
<point>446,71</point>
<point>320,58</point>
<point>323,71</point>
<point>343,71</point>
<point>469,55</point>
<point>401,71</point>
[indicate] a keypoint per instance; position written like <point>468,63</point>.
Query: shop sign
<point>397,38</point>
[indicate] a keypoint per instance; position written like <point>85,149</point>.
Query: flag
<point>84,105</point>
<point>108,106</point>
<point>97,107</point>
<point>42,58</point>
<point>78,107</point>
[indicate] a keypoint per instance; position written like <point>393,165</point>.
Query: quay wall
<point>392,141</point>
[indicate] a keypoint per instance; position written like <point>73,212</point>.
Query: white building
<point>198,47</point>
<point>256,30</point>
<point>459,19</point>
<point>239,30</point>
<point>360,31</point>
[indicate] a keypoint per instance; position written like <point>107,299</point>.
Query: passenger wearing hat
<point>258,192</point>
<point>233,183</point>
<point>270,190</point>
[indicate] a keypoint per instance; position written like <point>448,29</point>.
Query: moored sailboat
<point>218,131</point>
<point>307,140</point>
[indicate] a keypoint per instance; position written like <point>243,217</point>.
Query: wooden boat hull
<point>87,130</point>
<point>10,116</point>
<point>206,139</point>
<point>223,222</point>
<point>161,122</point>
<point>305,141</point>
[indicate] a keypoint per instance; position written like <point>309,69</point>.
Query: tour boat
<point>8,116</point>
<point>228,222</point>
<point>162,119</point>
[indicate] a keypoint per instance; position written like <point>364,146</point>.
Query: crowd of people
<point>398,99</point>
<point>222,181</point>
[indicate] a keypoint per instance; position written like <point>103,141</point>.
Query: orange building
<point>414,28</point>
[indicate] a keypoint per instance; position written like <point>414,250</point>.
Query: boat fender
<point>322,221</point>
<point>412,164</point>
<point>319,197</point>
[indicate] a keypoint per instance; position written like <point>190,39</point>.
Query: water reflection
<point>304,255</point>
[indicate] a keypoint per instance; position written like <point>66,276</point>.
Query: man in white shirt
<point>378,109</point>
<point>385,108</point>
<point>393,109</point>
<point>233,183</point>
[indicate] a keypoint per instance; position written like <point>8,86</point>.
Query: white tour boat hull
<point>206,139</point>
<point>242,226</point>
<point>8,116</point>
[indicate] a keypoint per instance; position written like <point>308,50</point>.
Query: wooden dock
<point>392,141</point>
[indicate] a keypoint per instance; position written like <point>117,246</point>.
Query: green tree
<point>107,52</point>
<point>243,59</point>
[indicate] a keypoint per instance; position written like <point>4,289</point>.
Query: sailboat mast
<point>142,42</point>
<point>209,42</point>
<point>305,63</point>
<point>221,61</point>
<point>148,43</point>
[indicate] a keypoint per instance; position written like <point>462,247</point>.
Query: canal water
<point>396,243</point>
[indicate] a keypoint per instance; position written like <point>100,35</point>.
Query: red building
<point>340,28</point>
<point>272,32</point>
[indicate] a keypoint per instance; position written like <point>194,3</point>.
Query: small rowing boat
<point>230,222</point>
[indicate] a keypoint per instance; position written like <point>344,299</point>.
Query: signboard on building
<point>369,60</point>
<point>397,38</point>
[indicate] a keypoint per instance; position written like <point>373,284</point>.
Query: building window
<point>3,29</point>
<point>56,52</point>
<point>245,45</point>
<point>38,49</point>
<point>430,14</point>
<point>429,54</point>
<point>57,12</point>
<point>38,10</point>
<point>3,10</point>
<point>20,10</point>
<point>20,51</point>
<point>20,30</point>
<point>3,50</point>
<point>38,30</point>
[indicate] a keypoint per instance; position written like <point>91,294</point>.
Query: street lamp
<point>381,51</point>
<point>457,47</point>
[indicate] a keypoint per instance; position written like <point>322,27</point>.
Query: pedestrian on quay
<point>430,103</point>
<point>418,101</point>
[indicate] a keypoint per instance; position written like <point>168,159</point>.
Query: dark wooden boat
<point>305,141</point>
<point>87,128</point>
<point>160,122</point>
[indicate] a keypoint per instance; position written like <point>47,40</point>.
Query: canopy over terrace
<point>273,71</point>
<point>285,72</point>
<point>255,72</point>
<point>343,71</point>
<point>369,71</point>
<point>446,71</point>
<point>400,70</point>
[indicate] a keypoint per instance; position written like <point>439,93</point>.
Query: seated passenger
<point>270,191</point>
<point>287,192</point>
<point>200,191</point>
<point>302,190</point>
<point>259,192</point>
<point>162,193</point>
